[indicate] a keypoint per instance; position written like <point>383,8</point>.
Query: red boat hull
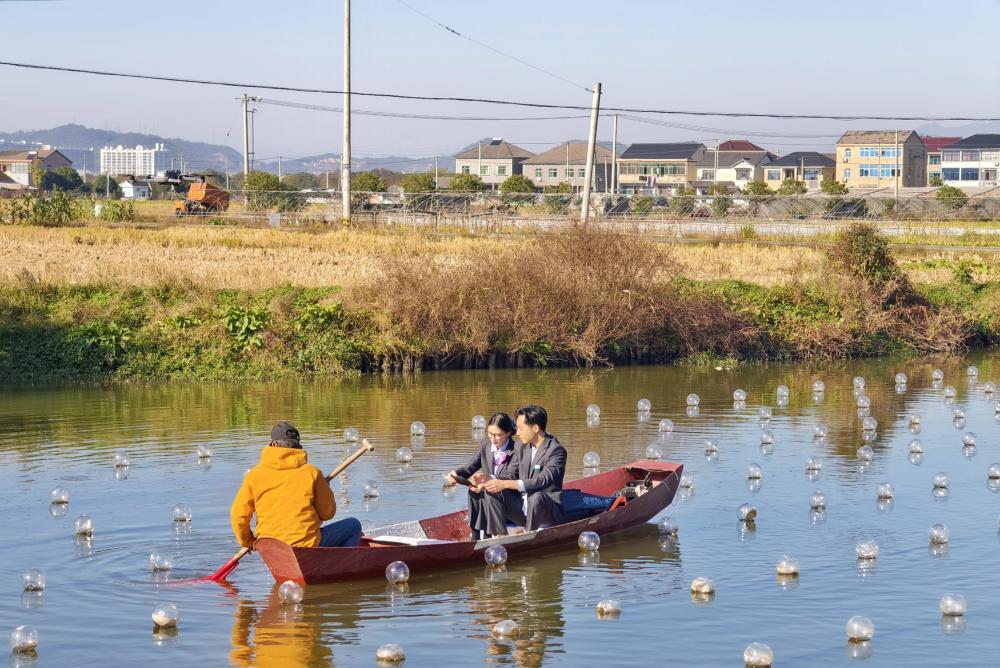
<point>313,565</point>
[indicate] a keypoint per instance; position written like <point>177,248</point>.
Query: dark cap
<point>283,431</point>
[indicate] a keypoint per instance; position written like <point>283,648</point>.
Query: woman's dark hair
<point>534,414</point>
<point>503,421</point>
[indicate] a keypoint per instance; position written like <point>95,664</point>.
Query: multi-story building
<point>655,169</point>
<point>494,161</point>
<point>973,161</point>
<point>733,165</point>
<point>138,161</point>
<point>880,158</point>
<point>567,163</point>
<point>808,166</point>
<point>934,146</point>
<point>16,166</point>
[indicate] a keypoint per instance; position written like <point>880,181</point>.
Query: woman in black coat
<point>495,455</point>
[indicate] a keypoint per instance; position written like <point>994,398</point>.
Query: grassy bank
<point>98,303</point>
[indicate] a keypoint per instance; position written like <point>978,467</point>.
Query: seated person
<point>537,473</point>
<point>290,497</point>
<point>494,457</point>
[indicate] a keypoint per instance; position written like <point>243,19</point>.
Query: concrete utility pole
<point>614,155</point>
<point>591,146</point>
<point>345,157</point>
<point>896,163</point>
<point>715,174</point>
<point>436,172</point>
<point>246,137</point>
<point>279,167</point>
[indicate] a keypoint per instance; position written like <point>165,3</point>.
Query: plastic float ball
<point>653,451</point>
<point>160,562</point>
<point>950,392</point>
<point>885,491</point>
<point>869,424</point>
<point>993,473</point>
<point>867,550</point>
<point>914,418</point>
<point>858,382</point>
<point>941,481</point>
<point>860,629</point>
<point>33,580</point>
<point>24,639</point>
<point>787,566</point>
<point>916,445</point>
<point>478,422</point>
<point>83,526</point>
<point>591,459</point>
<point>495,555</point>
<point>820,430</point>
<point>666,426</point>
<point>165,616</point>
<point>508,628</point>
<point>351,434</point>
<point>869,436</point>
<point>864,401</point>
<point>702,586</point>
<point>817,501</point>
<point>938,534</point>
<point>989,388</point>
<point>746,512</point>
<point>969,438</point>
<point>952,605</point>
<point>764,413</point>
<point>390,653</point>
<point>782,392</point>
<point>711,446</point>
<point>758,655</point>
<point>739,395</point>
<point>865,453</point>
<point>693,400</point>
<point>290,592</point>
<point>937,374</point>
<point>813,465</point>
<point>59,496</point>
<point>916,458</point>
<point>644,406</point>
<point>958,414</point>
<point>972,372</point>
<point>819,387</point>
<point>404,455</point>
<point>204,452</point>
<point>589,541</point>
<point>754,472</point>
<point>687,482</point>
<point>397,573</point>
<point>767,437</point>
<point>181,513</point>
<point>371,490</point>
<point>608,608</point>
<point>901,378</point>
<point>593,410</point>
<point>668,526</point>
<point>121,459</point>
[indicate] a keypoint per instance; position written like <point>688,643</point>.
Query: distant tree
<point>833,188</point>
<point>467,183</point>
<point>300,180</point>
<point>67,178</point>
<point>106,184</point>
<point>935,181</point>
<point>563,188</point>
<point>265,192</point>
<point>952,197</point>
<point>757,192</point>
<point>367,182</point>
<point>682,204</point>
<point>791,187</point>
<point>417,183</point>
<point>518,183</point>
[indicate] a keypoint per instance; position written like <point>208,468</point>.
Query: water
<point>97,604</point>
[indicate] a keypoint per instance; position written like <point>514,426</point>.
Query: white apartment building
<point>973,161</point>
<point>138,161</point>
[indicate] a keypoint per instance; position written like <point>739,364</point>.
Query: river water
<point>97,604</point>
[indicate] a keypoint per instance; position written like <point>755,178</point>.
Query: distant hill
<point>981,128</point>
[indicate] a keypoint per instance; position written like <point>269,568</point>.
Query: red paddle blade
<point>226,569</point>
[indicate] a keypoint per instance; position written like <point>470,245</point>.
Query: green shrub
<point>245,325</point>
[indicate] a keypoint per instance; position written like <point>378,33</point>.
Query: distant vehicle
<point>202,198</point>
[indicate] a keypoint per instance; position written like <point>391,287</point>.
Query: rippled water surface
<point>96,607</point>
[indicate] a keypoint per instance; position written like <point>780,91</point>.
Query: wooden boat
<point>441,542</point>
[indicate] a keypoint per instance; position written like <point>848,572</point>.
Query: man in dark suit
<point>494,457</point>
<point>537,472</point>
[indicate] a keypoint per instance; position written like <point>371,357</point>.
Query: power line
<point>512,103</point>
<point>431,117</point>
<point>725,131</point>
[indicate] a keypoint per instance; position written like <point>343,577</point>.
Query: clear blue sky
<point>900,57</point>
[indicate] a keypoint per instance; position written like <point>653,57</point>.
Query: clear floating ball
<point>181,513</point>
<point>764,413</point>
<point>869,424</point>
<point>950,392</point>
<point>937,374</point>
<point>495,555</point>
<point>371,490</point>
<point>166,616</point>
<point>687,482</point>
<point>711,446</point>
<point>817,501</point>
<point>739,395</point>
<point>858,382</point>
<point>593,410</point>
<point>351,434</point>
<point>860,629</point>
<point>941,480</point>
<point>754,472</point>
<point>813,465</point>
<point>33,580</point>
<point>478,422</point>
<point>867,550</point>
<point>644,405</point>
<point>591,459</point>
<point>693,400</point>
<point>820,430</point>
<point>901,378</point>
<point>952,605</point>
<point>819,387</point>
<point>508,628</point>
<point>83,526</point>
<point>969,438</point>
<point>121,459</point>
<point>758,655</point>
<point>865,453</point>
<point>24,639</point>
<point>417,428</point>
<point>205,452</point>
<point>390,653</point>
<point>782,392</point>
<point>666,426</point>
<point>885,491</point>
<point>404,454</point>
<point>397,572</point>
<point>653,451</point>
<point>916,458</point>
<point>914,418</point>
<point>588,541</point>
<point>972,372</point>
<point>746,512</point>
<point>668,526</point>
<point>702,586</point>
<point>159,561</point>
<point>864,401</point>
<point>290,592</point>
<point>766,437</point>
<point>608,608</point>
<point>59,496</point>
<point>916,445</point>
<point>993,473</point>
<point>938,534</point>
<point>989,388</point>
<point>787,565</point>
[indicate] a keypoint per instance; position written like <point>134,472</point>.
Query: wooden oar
<point>228,567</point>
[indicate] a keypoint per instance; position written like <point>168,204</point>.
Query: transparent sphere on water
<point>819,387</point>
<point>739,395</point>
<point>404,454</point>
<point>507,628</point>
<point>290,592</point>
<point>916,458</point>
<point>687,482</point>
<point>59,496</point>
<point>813,465</point>
<point>969,438</point>
<point>33,580</point>
<point>758,655</point>
<point>653,451</point>
<point>901,378</point>
<point>746,512</point>
<point>993,472</point>
<point>418,428</point>
<point>666,426</point>
<point>764,413</point>
<point>588,541</point>
<point>24,639</point>
<point>938,534</point>
<point>937,374</point>
<point>496,555</point>
<point>767,437</point>
<point>593,410</point>
<point>397,572</point>
<point>818,500</point>
<point>916,445</point>
<point>869,436</point>
<point>820,430</point>
<point>121,459</point>
<point>941,480</point>
<point>181,513</point>
<point>166,615</point>
<point>858,382</point>
<point>869,423</point>
<point>754,472</point>
<point>950,392</point>
<point>958,413</point>
<point>711,446</point>
<point>860,629</point>
<point>865,453</point>
<point>693,400</point>
<point>371,489</point>
<point>787,565</point>
<point>205,452</point>
<point>952,605</point>
<point>702,585</point>
<point>959,423</point>
<point>782,391</point>
<point>644,406</point>
<point>867,550</point>
<point>390,653</point>
<point>478,422</point>
<point>351,435</point>
<point>885,491</point>
<point>668,526</point>
<point>972,372</point>
<point>864,401</point>
<point>608,608</point>
<point>914,418</point>
<point>989,388</point>
<point>159,561</point>
<point>83,526</point>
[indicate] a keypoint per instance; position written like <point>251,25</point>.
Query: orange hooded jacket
<point>290,497</point>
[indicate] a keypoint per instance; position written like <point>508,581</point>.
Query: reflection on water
<point>67,437</point>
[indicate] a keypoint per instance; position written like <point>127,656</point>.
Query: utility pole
<point>479,165</point>
<point>566,173</point>
<point>614,155</point>
<point>435,172</point>
<point>895,162</point>
<point>715,174</point>
<point>279,167</point>
<point>246,137</point>
<point>591,146</point>
<point>345,155</point>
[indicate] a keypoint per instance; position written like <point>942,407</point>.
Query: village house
<point>493,161</point>
<point>659,169</point>
<point>16,166</point>
<point>878,158</point>
<point>810,167</point>
<point>132,189</point>
<point>934,146</point>
<point>970,162</point>
<point>567,163</point>
<point>733,165</point>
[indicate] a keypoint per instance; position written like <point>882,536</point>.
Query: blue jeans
<point>342,533</point>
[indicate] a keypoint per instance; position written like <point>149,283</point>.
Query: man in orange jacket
<point>290,497</point>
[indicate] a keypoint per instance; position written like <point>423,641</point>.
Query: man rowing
<point>291,499</point>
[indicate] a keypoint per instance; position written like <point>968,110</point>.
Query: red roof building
<point>935,144</point>
<point>739,145</point>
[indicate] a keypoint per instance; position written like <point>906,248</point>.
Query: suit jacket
<point>483,460</point>
<point>543,474</point>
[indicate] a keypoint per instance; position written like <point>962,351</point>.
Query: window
<point>889,152</point>
<point>847,174</point>
<point>934,175</point>
<point>950,174</point>
<point>570,172</point>
<point>847,154</point>
<point>743,174</point>
<point>553,173</point>
<point>991,156</point>
<point>934,159</point>
<point>484,170</point>
<point>810,175</point>
<point>970,174</point>
<point>970,156</point>
<point>465,169</point>
<point>708,174</point>
<point>21,167</point>
<point>501,170</point>
<point>951,156</point>
<point>538,172</point>
<point>774,175</point>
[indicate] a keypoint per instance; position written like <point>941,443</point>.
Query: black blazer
<point>545,473</point>
<point>483,460</point>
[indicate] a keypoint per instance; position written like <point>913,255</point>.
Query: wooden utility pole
<point>345,156</point>
<point>591,147</point>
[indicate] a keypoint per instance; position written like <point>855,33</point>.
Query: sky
<point>888,57</point>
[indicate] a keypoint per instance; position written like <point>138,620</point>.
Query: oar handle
<point>365,447</point>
